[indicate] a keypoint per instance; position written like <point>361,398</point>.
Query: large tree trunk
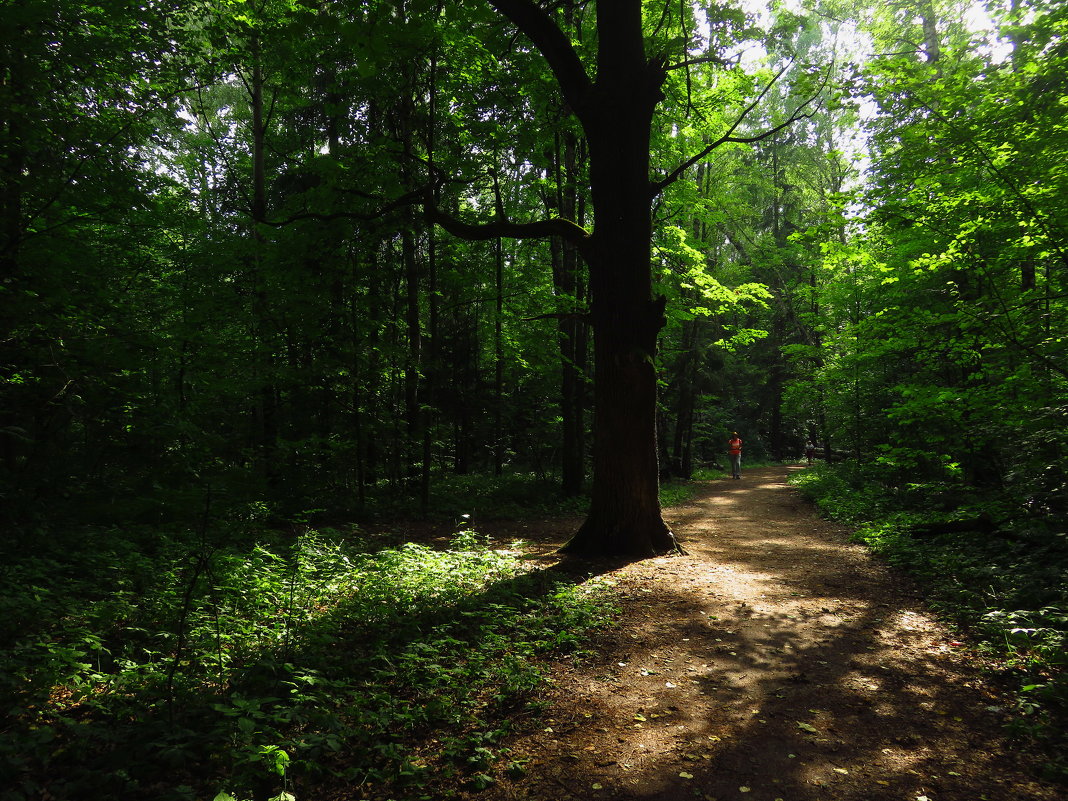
<point>616,112</point>
<point>624,515</point>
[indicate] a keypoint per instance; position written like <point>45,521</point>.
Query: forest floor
<point>776,660</point>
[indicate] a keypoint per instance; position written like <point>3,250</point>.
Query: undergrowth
<point>1005,584</point>
<point>508,496</point>
<point>511,496</point>
<point>244,664</point>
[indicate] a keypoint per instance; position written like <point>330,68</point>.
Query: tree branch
<point>540,229</point>
<point>691,62</point>
<point>1048,224</point>
<point>500,227</point>
<point>797,114</point>
<point>582,317</point>
<point>554,45</point>
<point>412,198</point>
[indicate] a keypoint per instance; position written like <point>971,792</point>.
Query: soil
<point>776,661</point>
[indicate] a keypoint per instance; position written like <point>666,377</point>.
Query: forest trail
<point>776,660</point>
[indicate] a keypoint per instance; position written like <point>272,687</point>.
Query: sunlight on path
<point>776,661</point>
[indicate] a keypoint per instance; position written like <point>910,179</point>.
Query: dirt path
<point>775,661</point>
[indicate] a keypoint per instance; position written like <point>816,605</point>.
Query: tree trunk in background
<point>682,442</point>
<point>356,394</point>
<point>784,315</point>
<point>466,390</point>
<point>430,370</point>
<point>432,359</point>
<point>412,317</point>
<point>931,41</point>
<point>12,162</point>
<point>498,358</point>
<point>568,284</point>
<point>266,409</point>
<point>415,345</point>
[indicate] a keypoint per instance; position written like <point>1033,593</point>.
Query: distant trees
<point>215,274</point>
<point>218,272</point>
<point>943,319</point>
<point>77,240</point>
<point>228,283</point>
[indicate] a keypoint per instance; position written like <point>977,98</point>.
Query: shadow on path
<point>777,660</point>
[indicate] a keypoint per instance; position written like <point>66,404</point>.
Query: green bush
<point>140,664</point>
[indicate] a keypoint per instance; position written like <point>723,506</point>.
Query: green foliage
<point>214,284</point>
<point>141,663</point>
<point>676,492</point>
<point>511,496</point>
<point>942,324</point>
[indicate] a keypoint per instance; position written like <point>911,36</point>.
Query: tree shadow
<point>820,677</point>
<point>839,719</point>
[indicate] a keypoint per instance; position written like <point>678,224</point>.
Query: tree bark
<point>498,360</point>
<point>686,378</point>
<point>616,113</point>
<point>266,406</point>
<point>432,357</point>
<point>12,162</point>
<point>624,516</point>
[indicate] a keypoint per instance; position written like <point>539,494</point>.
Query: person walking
<point>810,451</point>
<point>734,451</point>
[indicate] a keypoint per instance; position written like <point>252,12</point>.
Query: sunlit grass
<point>174,666</point>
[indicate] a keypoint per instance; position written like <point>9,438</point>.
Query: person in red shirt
<point>734,451</point>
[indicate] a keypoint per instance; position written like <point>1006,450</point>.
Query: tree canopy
<point>321,253</point>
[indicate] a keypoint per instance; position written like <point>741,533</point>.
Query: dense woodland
<point>275,268</point>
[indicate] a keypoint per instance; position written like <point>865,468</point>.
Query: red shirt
<point>735,445</point>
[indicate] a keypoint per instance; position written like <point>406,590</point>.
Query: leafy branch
<point>1047,224</point>
<point>796,115</point>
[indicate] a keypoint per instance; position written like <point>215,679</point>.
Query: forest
<point>284,283</point>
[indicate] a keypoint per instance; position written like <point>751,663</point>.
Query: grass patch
<point>1008,587</point>
<point>139,663</point>
<point>676,491</point>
